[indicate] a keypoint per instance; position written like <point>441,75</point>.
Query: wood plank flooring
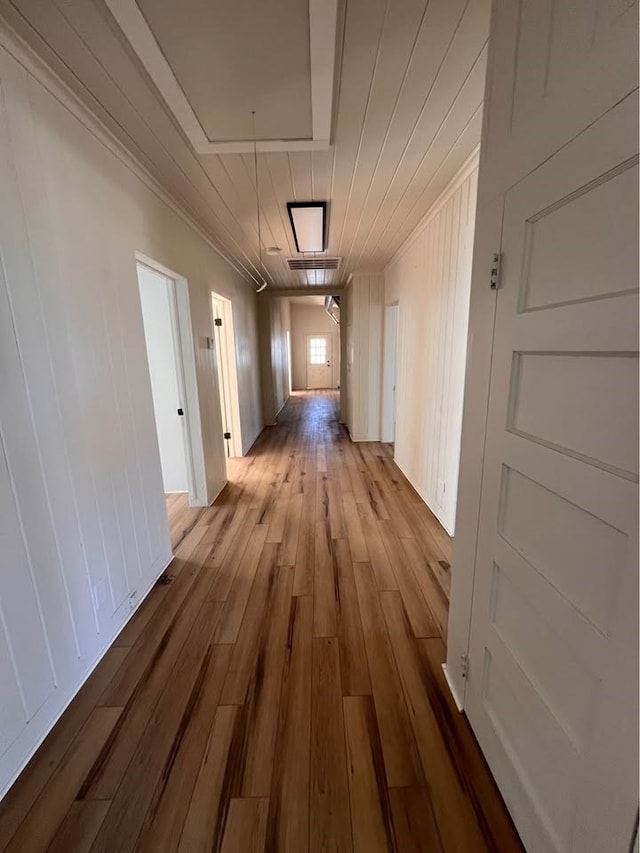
<point>284,691</point>
<point>181,517</point>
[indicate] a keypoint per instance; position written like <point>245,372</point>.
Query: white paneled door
<point>227,377</point>
<point>552,691</point>
<point>159,314</point>
<point>318,361</point>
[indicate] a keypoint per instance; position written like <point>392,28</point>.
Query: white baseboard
<point>220,491</point>
<point>433,508</point>
<point>278,412</point>
<point>54,708</point>
<point>452,689</point>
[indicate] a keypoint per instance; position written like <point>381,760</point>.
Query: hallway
<point>283,690</point>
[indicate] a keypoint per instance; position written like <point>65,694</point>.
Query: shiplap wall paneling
<point>282,320</point>
<point>389,371</point>
<point>38,441</point>
<point>430,279</point>
<point>422,108</point>
<point>364,297</point>
<point>274,318</point>
<point>26,670</point>
<point>346,358</point>
<point>84,531</point>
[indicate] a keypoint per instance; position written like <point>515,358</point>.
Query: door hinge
<point>495,270</point>
<point>464,665</point>
<point>217,321</point>
<point>227,435</point>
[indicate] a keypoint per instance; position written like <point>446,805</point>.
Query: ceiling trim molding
<point>323,22</point>
<point>323,18</point>
<point>15,45</point>
<point>464,172</point>
<point>308,290</point>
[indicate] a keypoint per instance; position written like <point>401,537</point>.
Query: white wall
<point>312,320</point>
<point>279,351</point>
<point>274,322</point>
<point>362,322</point>
<point>82,517</point>
<point>389,371</point>
<point>155,296</point>
<point>430,279</point>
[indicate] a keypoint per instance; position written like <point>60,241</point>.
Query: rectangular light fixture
<point>308,222</point>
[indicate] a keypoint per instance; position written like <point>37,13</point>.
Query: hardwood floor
<point>284,691</point>
<point>181,517</point>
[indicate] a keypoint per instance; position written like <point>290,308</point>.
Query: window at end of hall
<point>317,350</point>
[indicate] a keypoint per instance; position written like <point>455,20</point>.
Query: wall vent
<point>313,263</point>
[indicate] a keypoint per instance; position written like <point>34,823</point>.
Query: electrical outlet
<point>442,488</point>
<point>133,600</point>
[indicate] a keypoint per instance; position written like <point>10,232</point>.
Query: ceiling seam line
<point>388,128</point>
<point>416,123</point>
<point>442,123</point>
<point>364,121</point>
<point>444,159</point>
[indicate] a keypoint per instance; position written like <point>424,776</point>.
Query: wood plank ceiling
<point>407,113</point>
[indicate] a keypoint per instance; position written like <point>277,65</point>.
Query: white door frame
<point>227,373</point>
<point>187,380</point>
<point>389,373</point>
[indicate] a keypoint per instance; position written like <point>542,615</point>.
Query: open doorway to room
<point>227,376</point>
<point>315,343</point>
<point>167,331</point>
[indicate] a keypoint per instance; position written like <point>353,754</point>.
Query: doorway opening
<point>389,373</point>
<point>314,343</point>
<point>166,317</point>
<point>227,376</point>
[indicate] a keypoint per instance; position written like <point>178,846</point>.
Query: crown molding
<point>25,56</point>
<point>463,173</point>
<point>323,18</point>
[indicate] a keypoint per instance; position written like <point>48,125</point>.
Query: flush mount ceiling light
<point>308,222</point>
